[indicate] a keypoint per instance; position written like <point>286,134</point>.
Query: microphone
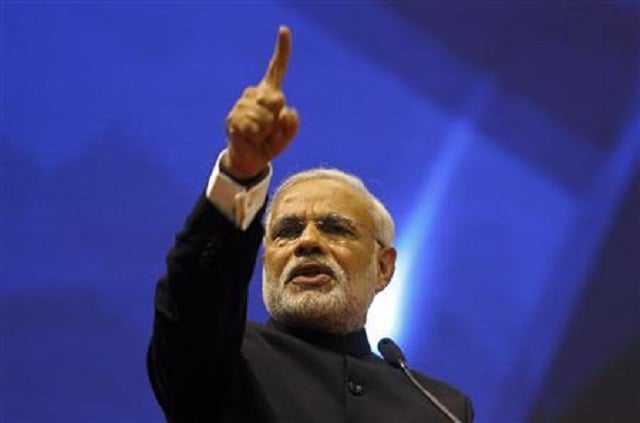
<point>393,355</point>
<point>391,352</point>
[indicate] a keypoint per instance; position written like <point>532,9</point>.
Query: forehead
<point>316,197</point>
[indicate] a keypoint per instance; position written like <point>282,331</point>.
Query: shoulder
<point>455,399</point>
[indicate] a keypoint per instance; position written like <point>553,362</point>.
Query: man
<point>328,249</point>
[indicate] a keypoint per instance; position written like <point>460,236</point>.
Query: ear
<point>386,267</point>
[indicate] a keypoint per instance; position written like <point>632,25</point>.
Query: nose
<point>309,242</point>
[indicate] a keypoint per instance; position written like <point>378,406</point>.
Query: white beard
<point>341,310</point>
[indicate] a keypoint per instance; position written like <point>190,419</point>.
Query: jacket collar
<point>354,343</point>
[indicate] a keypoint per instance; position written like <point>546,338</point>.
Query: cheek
<point>362,271</point>
<point>274,261</point>
<point>352,261</point>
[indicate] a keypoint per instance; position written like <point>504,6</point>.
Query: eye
<point>336,226</point>
<point>287,230</point>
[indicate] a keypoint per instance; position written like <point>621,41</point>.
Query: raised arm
<point>200,303</point>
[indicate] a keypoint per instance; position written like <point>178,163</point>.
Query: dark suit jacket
<point>206,363</point>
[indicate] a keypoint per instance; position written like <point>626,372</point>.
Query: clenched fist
<point>260,125</point>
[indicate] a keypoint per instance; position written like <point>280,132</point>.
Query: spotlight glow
<point>387,312</point>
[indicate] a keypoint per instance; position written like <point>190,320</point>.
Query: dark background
<point>503,135</point>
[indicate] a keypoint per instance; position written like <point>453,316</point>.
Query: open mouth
<point>311,275</point>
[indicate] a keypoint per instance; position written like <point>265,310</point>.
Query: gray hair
<point>383,226</point>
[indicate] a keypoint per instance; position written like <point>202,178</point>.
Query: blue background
<point>503,136</point>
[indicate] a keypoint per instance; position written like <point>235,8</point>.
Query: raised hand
<point>260,125</point>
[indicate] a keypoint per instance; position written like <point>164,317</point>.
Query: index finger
<point>278,64</point>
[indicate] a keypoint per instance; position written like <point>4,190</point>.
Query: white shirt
<point>235,201</point>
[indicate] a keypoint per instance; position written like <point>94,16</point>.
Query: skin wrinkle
<point>383,226</point>
<point>359,266</point>
<point>335,227</point>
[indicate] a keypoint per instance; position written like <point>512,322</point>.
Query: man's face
<point>322,264</point>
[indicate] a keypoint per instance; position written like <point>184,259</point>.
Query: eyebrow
<point>295,219</point>
<point>292,218</point>
<point>340,218</point>
<point>289,218</point>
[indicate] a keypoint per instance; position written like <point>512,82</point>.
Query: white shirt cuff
<point>234,200</point>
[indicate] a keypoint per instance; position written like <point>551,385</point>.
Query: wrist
<point>245,177</point>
